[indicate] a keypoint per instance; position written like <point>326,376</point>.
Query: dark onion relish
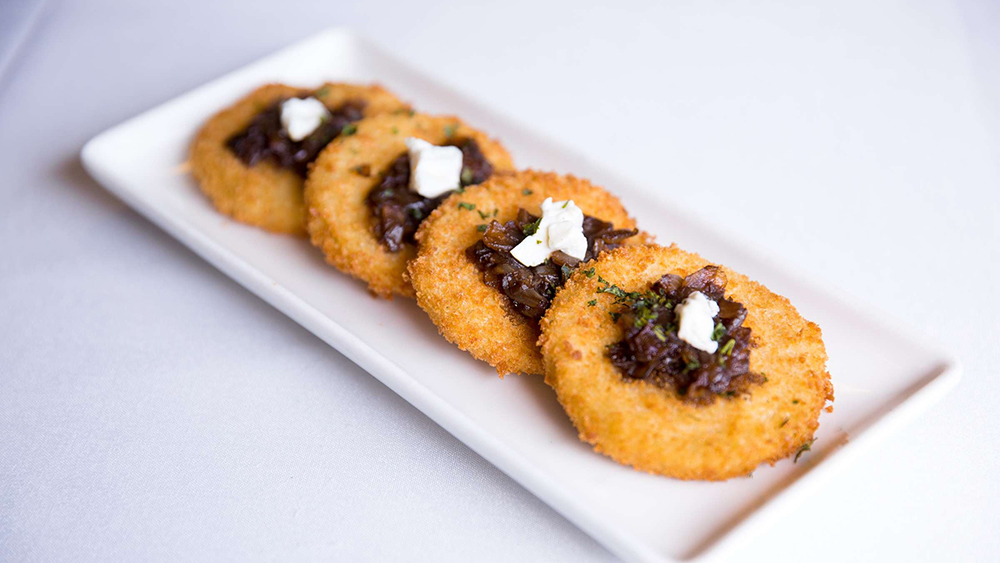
<point>530,289</point>
<point>265,138</point>
<point>398,210</point>
<point>651,350</point>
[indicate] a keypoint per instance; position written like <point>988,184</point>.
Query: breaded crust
<point>649,427</point>
<point>470,314</point>
<point>339,220</point>
<point>265,194</point>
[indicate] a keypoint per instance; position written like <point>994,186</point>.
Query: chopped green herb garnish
<point>395,130</point>
<point>692,365</point>
<point>660,333</point>
<point>415,213</point>
<point>592,302</point>
<point>566,271</point>
<point>481,228</point>
<point>460,190</point>
<point>783,423</point>
<point>349,130</point>
<point>532,227</point>
<point>719,332</point>
<point>526,191</point>
<point>615,316</point>
<point>449,130</point>
<point>728,347</point>
<point>803,449</point>
<point>483,215</point>
<point>589,272</point>
<point>466,175</point>
<point>565,204</point>
<point>730,393</point>
<point>795,401</point>
<point>322,92</point>
<point>495,211</point>
<point>468,206</point>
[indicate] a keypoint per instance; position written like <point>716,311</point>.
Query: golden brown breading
<point>649,427</point>
<point>339,219</point>
<point>265,194</point>
<point>470,314</point>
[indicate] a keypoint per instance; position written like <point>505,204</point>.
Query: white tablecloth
<point>151,409</point>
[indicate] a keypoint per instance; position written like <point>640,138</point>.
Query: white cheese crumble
<point>561,228</point>
<point>433,170</point>
<point>696,315</point>
<point>301,117</point>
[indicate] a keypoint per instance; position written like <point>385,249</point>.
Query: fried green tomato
<point>341,219</point>
<point>653,428</point>
<point>254,186</point>
<point>450,287</point>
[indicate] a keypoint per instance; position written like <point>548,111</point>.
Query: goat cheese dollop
<point>696,314</point>
<point>300,117</point>
<point>561,228</point>
<point>434,170</point>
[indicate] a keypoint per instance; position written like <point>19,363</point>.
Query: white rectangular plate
<point>882,378</point>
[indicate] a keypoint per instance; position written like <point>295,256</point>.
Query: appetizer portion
<point>251,159</point>
<point>683,368</point>
<point>491,259</point>
<point>369,191</point>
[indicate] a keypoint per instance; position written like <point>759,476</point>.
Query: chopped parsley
<point>727,347</point>
<point>395,130</point>
<point>803,449</point>
<point>349,130</point>
<point>449,129</point>
<point>566,271</point>
<point>322,92</point>
<point>526,191</point>
<point>466,175</point>
<point>415,213</point>
<point>532,227</point>
<point>719,332</point>
<point>589,272</point>
<point>783,423</point>
<point>467,206</point>
<point>592,302</point>
<point>482,228</point>
<point>660,333</point>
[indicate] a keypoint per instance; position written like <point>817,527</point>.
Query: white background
<point>151,409</point>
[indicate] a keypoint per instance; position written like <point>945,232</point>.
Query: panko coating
<point>651,428</point>
<point>477,318</point>
<point>267,195</point>
<point>341,223</point>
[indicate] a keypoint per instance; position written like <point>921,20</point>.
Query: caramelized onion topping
<point>530,289</point>
<point>651,350</point>
<point>398,210</point>
<point>265,138</point>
